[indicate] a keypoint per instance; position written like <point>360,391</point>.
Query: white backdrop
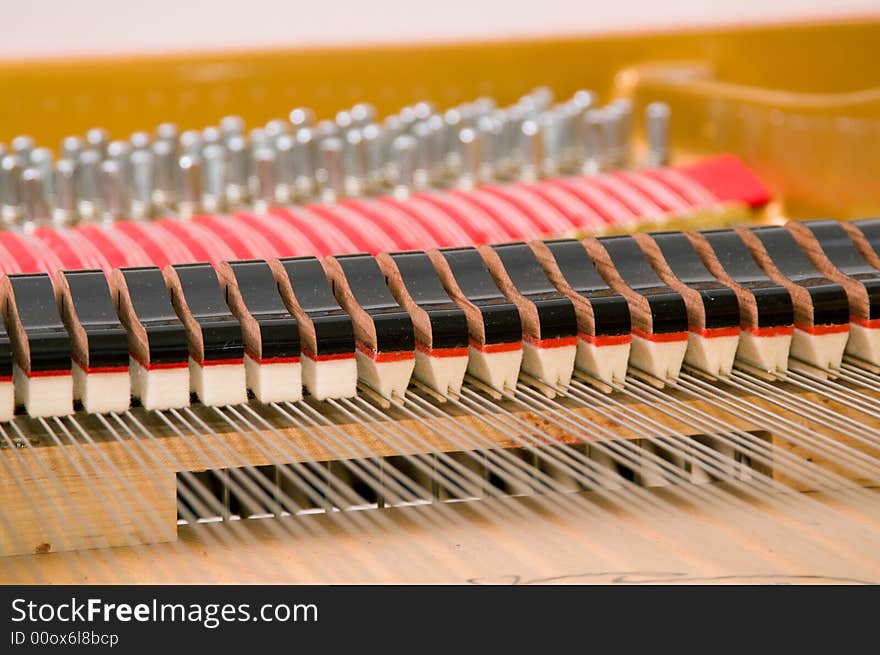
<point>30,28</point>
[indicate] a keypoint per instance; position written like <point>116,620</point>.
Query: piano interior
<point>574,310</point>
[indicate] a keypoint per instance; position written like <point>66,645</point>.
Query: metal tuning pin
<point>113,191</point>
<point>657,131</point>
<point>404,152</point>
<point>164,165</point>
<point>214,174</point>
<point>304,163</point>
<point>625,111</point>
<point>211,135</point>
<point>515,116</point>
<point>10,189</point>
<point>264,171</point>
<point>191,143</point>
<point>374,149</point>
<point>167,132</point>
<point>285,169</point>
<point>612,130</point>
<point>592,137</point>
<point>301,117</point>
<point>437,150</point>
<point>189,186</point>
<point>275,128</point>
<point>468,157</point>
<point>355,163</point>
<point>533,151</point>
<point>64,211</point>
<point>33,192</point>
<point>120,152</point>
<point>97,140</point>
<point>87,184</point>
<point>237,171</point>
<point>583,100</point>
<point>453,121</point>
<point>71,146</point>
<point>344,121</point>
<point>141,177</point>
<point>231,126</point>
<point>421,132</point>
<point>363,114</point>
<point>22,146</point>
<point>424,110</point>
<point>490,132</point>
<point>41,159</point>
<point>408,118</point>
<point>332,174</point>
<point>140,141</point>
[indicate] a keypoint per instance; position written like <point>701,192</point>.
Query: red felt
<point>729,179</point>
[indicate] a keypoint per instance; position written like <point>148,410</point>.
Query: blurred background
<point>58,28</point>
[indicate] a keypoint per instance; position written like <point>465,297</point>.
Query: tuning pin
<point>542,96</point>
<point>214,176</point>
<point>264,170</point>
<point>403,154</point>
<point>120,152</point>
<point>189,186</point>
<point>87,184</point>
<point>624,131</point>
<point>491,132</point>
<point>593,141</point>
<point>301,117</point>
<point>583,100</point>
<point>238,171</point>
<point>568,147</point>
<point>515,116</point>
<point>468,157</point>
<point>33,193</point>
<point>408,118</point>
<point>484,106</point>
<point>71,146</point>
<point>231,126</point>
<point>64,193</point>
<point>555,128</point>
<point>533,151</point>
<point>363,114</point>
<point>304,163</point>
<point>424,110</point>
<point>275,128</point>
<point>374,149</point>
<point>97,140</point>
<point>453,122</point>
<point>331,174</point>
<point>167,132</point>
<point>436,150</point>
<point>285,169</point>
<point>355,163</point>
<point>421,133</point>
<point>41,159</point>
<point>393,127</point>
<point>212,136</point>
<point>11,167</point>
<point>113,191</point>
<point>140,141</point>
<point>191,143</point>
<point>164,166</point>
<point>611,136</point>
<point>344,120</point>
<point>141,166</point>
<point>22,146</point>
<point>657,129</point>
